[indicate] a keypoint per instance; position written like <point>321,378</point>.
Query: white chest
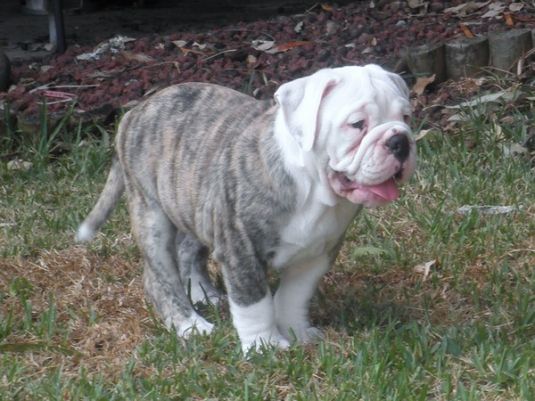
<point>321,218</point>
<point>313,231</point>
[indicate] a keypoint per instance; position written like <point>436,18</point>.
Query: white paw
<point>188,326</point>
<point>255,325</point>
<point>84,233</point>
<point>262,341</point>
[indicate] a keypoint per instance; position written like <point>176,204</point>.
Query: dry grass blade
<point>100,300</point>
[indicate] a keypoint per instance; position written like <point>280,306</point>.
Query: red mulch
<point>352,34</point>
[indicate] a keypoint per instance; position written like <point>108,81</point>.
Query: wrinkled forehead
<point>360,86</point>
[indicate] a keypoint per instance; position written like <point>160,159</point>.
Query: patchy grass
<point>74,323</point>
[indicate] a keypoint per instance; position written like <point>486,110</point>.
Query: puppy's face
<point>368,143</point>
<point>360,132</point>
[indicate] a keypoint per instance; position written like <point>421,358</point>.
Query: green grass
<point>74,326</point>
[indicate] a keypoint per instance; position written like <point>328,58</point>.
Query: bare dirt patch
<point>101,311</point>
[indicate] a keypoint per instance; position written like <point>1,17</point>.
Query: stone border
<point>465,57</point>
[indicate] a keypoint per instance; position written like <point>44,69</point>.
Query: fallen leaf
<point>152,90</point>
<point>498,131</point>
<point>468,86</point>
<point>425,268</point>
<point>131,56</point>
<point>458,117</point>
<point>508,19</point>
<point>508,119</point>
<point>491,14</point>
<point>19,165</point>
<point>416,3</point>
<point>251,59</point>
<point>201,46</point>
<point>372,4</point>
<point>105,74</point>
<point>298,27</point>
<point>520,66</point>
<point>284,47</point>
<point>472,23</point>
<point>331,27</point>
<point>422,134</point>
<point>326,7</point>
<point>491,97</point>
<point>374,41</point>
<point>58,94</point>
<point>466,31</point>
<point>219,54</point>
<point>450,126</point>
<point>179,43</point>
<point>514,149</point>
<point>262,45</point>
<point>485,209</point>
<point>130,104</point>
<point>113,45</point>
<point>466,8</point>
<point>421,84</point>
<point>495,9</point>
<point>514,7</point>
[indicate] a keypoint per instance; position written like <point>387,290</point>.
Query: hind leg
<point>192,262</point>
<point>156,235</point>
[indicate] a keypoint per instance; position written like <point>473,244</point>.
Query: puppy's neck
<point>307,168</point>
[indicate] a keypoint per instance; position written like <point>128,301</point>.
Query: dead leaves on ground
<point>422,83</point>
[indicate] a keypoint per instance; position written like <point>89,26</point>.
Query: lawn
<point>426,302</point>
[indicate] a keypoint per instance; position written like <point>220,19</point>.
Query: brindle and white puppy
<point>257,185</point>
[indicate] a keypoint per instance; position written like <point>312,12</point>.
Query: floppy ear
<point>300,102</point>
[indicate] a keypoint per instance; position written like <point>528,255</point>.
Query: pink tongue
<point>387,190</point>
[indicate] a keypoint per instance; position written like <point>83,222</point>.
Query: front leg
<point>297,285</point>
<point>251,306</point>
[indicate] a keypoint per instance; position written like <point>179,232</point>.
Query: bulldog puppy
<point>256,185</point>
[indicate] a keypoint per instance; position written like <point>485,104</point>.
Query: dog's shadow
<point>352,307</point>
<point>345,303</point>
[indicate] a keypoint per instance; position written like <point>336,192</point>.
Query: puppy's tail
<point>107,201</point>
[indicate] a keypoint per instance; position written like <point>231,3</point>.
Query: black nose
<point>399,146</point>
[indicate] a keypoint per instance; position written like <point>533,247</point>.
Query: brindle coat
<point>225,189</point>
<point>209,170</point>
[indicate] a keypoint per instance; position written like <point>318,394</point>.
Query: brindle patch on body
<point>216,175</point>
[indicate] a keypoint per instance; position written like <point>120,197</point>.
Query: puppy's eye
<point>407,119</point>
<point>358,124</point>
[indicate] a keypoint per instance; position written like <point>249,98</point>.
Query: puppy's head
<point>354,120</point>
